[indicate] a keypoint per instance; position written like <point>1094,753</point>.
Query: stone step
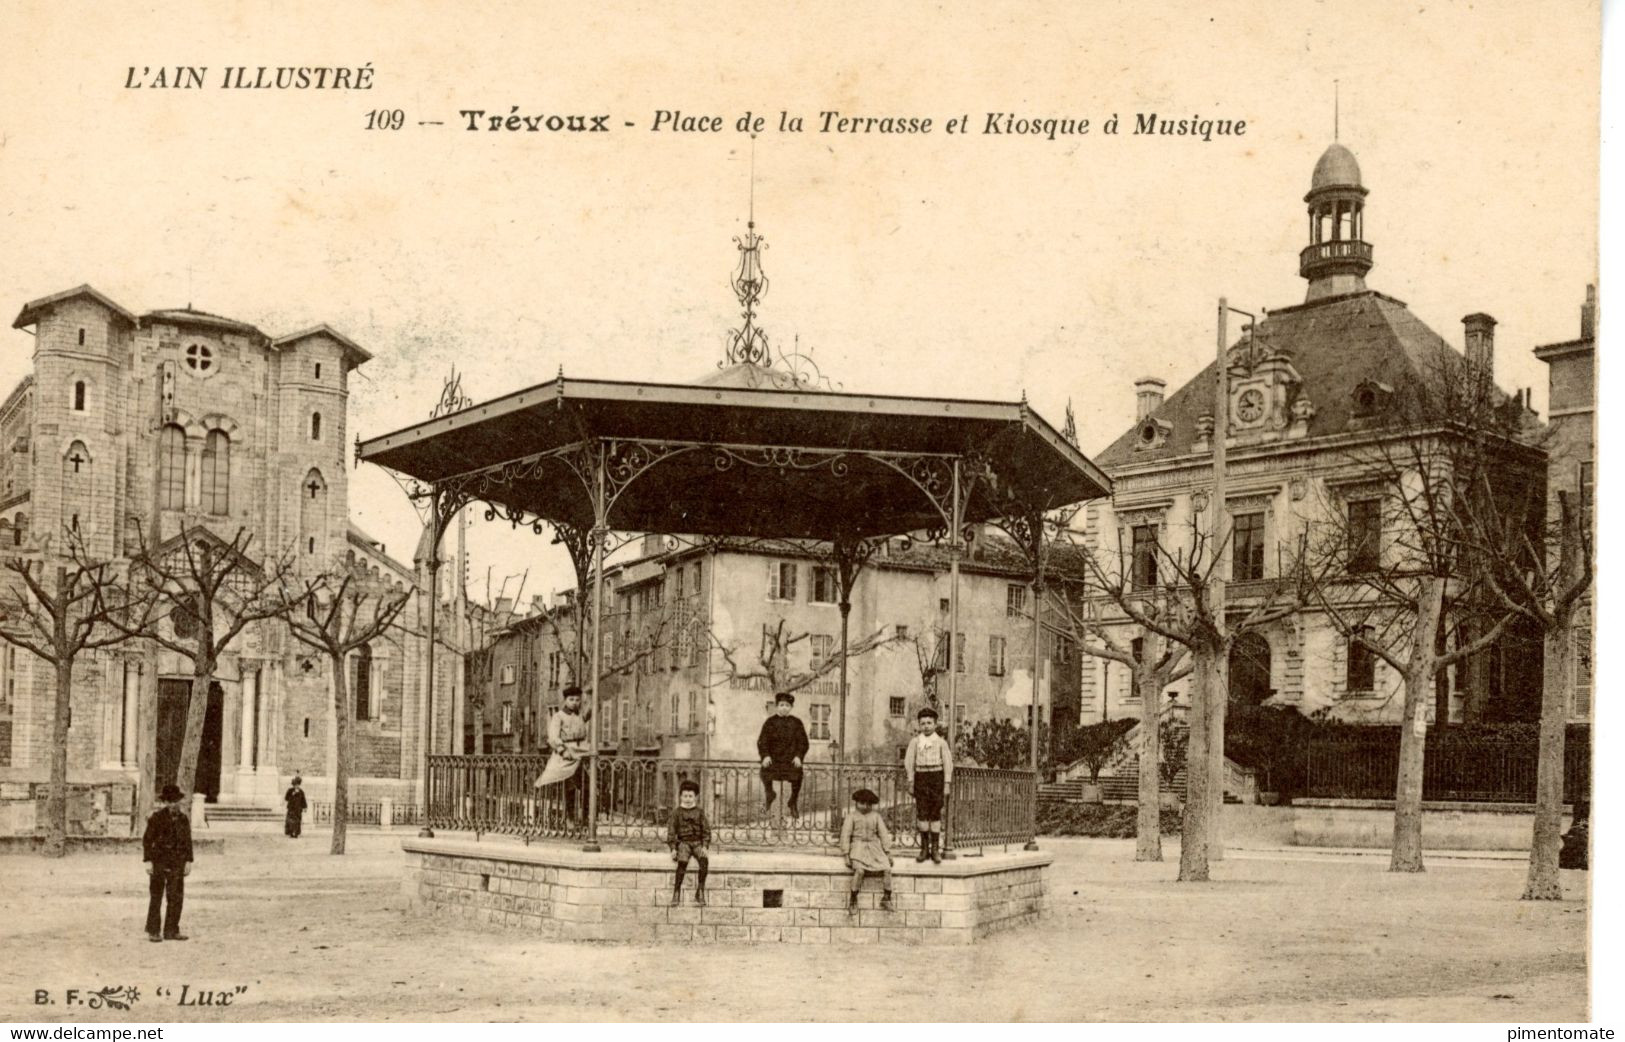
<point>230,812</point>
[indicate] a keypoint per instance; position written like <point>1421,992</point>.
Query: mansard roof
<point>1335,344</point>
<point>32,310</point>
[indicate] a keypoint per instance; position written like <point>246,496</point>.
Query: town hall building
<point>1312,388</point>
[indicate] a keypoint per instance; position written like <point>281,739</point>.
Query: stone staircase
<point>223,812</point>
<point>1119,779</point>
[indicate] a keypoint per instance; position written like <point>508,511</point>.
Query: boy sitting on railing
<point>689,834</point>
<point>866,845</point>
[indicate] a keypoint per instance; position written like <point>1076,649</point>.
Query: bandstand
<point>758,451</point>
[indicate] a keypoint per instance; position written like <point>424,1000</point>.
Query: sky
<point>955,265</point>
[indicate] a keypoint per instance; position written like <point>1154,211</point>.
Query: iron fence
<point>497,794</point>
<point>367,813</point>
<point>1471,770</point>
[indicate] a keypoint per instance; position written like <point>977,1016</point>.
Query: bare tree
<point>770,662</point>
<point>335,615</point>
<point>1167,594</point>
<point>1404,581</point>
<point>1546,585</point>
<point>210,590</point>
<point>1154,662</point>
<point>57,612</point>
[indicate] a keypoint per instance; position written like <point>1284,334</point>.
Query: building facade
<point>1314,389</point>
<point>1572,471</point>
<point>698,639</point>
<point>168,425</point>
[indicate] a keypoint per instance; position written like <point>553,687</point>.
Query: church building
<point>180,424</point>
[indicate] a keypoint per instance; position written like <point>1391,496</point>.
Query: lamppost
<point>1219,692</point>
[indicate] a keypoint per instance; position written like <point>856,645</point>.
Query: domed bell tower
<point>1337,257</point>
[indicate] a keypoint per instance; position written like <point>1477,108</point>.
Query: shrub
<point>1273,741</point>
<point>997,743</point>
<point>1102,820</point>
<point>1093,744</point>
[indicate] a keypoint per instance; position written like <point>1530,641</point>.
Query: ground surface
<point>1280,935</point>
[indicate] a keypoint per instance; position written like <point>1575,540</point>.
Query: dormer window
<point>199,358</point>
<point>1371,398</point>
<point>1153,433</point>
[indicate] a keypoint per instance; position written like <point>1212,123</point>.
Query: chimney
<point>504,605</point>
<point>1480,333</point>
<point>1147,396</point>
<point>1588,314</point>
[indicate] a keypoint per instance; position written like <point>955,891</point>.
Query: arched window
<point>171,467</point>
<point>315,426</point>
<point>78,396</point>
<point>363,682</point>
<point>216,473</point>
<point>312,511</point>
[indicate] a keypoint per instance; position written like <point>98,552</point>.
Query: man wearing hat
<point>782,745</point>
<point>930,766</point>
<point>167,850</point>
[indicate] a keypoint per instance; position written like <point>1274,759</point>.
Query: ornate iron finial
<point>749,343</point>
<point>452,398</point>
<point>1070,431</point>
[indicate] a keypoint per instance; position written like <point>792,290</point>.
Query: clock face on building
<point>1250,406</point>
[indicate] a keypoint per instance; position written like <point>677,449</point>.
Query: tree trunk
<point>1543,883</point>
<point>481,675</point>
<point>341,757</point>
<point>1193,859</point>
<point>1407,851</point>
<point>1148,822</point>
<point>147,740</point>
<point>1441,679</point>
<point>1218,704</point>
<point>56,798</point>
<point>197,708</point>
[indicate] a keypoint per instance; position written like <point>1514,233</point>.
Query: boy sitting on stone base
<point>689,834</point>
<point>866,845</point>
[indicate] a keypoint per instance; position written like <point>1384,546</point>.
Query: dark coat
<point>688,825</point>
<point>296,802</point>
<point>783,738</point>
<point>168,839</point>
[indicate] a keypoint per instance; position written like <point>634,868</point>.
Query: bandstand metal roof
<point>742,460</point>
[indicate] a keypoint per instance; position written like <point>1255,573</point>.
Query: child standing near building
<point>689,834</point>
<point>930,766</point>
<point>866,845</point>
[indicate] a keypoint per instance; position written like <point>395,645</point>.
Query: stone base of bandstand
<point>562,892</point>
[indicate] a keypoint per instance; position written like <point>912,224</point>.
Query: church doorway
<point>173,697</point>
<point>1249,670</point>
